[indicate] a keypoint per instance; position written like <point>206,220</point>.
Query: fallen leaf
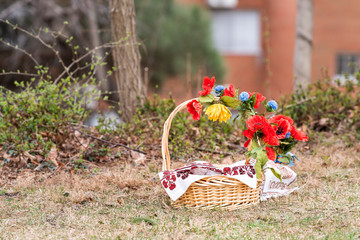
<point>324,122</point>
<point>44,134</point>
<point>52,156</point>
<point>196,130</point>
<point>29,156</point>
<point>84,143</point>
<point>21,162</point>
<point>6,156</point>
<point>138,158</point>
<point>351,114</point>
<point>77,134</point>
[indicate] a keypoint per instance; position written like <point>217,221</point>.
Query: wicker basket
<point>211,192</point>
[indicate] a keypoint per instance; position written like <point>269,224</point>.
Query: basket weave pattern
<point>211,192</point>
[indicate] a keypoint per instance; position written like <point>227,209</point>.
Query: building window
<point>347,64</point>
<point>236,32</point>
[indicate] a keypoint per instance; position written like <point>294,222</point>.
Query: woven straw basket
<point>211,192</point>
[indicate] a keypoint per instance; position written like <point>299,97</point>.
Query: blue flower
<point>244,96</point>
<point>277,158</point>
<point>288,135</point>
<point>272,104</point>
<point>219,88</point>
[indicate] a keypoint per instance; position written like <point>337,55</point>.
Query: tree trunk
<point>303,43</point>
<point>126,57</point>
<point>95,42</point>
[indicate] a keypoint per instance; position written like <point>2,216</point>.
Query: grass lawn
<point>124,201</point>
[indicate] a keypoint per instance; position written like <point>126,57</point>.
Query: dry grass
<point>124,202</point>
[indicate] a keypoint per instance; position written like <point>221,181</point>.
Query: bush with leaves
<point>38,118</point>
<point>32,118</point>
<point>327,106</point>
<point>187,138</point>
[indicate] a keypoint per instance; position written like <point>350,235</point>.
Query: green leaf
<point>255,150</point>
<point>269,109</point>
<point>285,159</point>
<point>252,101</point>
<point>258,169</point>
<point>230,101</point>
<point>262,157</point>
<point>236,94</point>
<point>261,160</point>
<point>207,99</point>
<point>205,106</point>
<point>277,174</point>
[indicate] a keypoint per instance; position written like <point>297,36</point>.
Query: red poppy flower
<point>256,122</point>
<point>270,136</point>
<point>276,118</point>
<point>259,98</point>
<point>298,134</point>
<point>249,134</point>
<point>281,128</point>
<point>194,108</point>
<point>270,153</point>
<point>229,91</point>
<point>208,84</point>
<point>246,144</point>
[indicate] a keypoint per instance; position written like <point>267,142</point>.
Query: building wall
<point>336,25</point>
<point>336,30</point>
<point>248,71</point>
<point>271,72</point>
<point>282,18</point>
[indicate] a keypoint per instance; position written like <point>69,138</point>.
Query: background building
<point>257,40</point>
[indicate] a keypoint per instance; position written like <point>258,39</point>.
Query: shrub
<point>33,118</point>
<point>39,115</point>
<point>186,138</point>
<point>327,106</point>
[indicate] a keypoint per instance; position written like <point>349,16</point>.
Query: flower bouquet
<point>270,137</point>
<point>240,185</point>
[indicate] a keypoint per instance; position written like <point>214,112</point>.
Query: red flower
<point>276,118</point>
<point>270,153</point>
<point>256,122</point>
<point>207,86</point>
<point>249,134</point>
<point>246,144</point>
<point>270,136</point>
<point>298,134</point>
<point>229,91</point>
<point>281,128</point>
<point>194,107</point>
<point>259,98</point>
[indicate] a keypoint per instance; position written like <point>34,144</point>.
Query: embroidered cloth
<point>272,186</point>
<point>176,182</point>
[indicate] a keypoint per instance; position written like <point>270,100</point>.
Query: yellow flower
<point>218,111</point>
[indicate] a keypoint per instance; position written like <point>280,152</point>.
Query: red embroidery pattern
<point>169,180</point>
<point>183,174</point>
<point>240,170</point>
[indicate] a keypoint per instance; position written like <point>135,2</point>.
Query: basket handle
<point>165,136</point>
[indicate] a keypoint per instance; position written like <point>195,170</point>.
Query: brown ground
<point>125,200</point>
